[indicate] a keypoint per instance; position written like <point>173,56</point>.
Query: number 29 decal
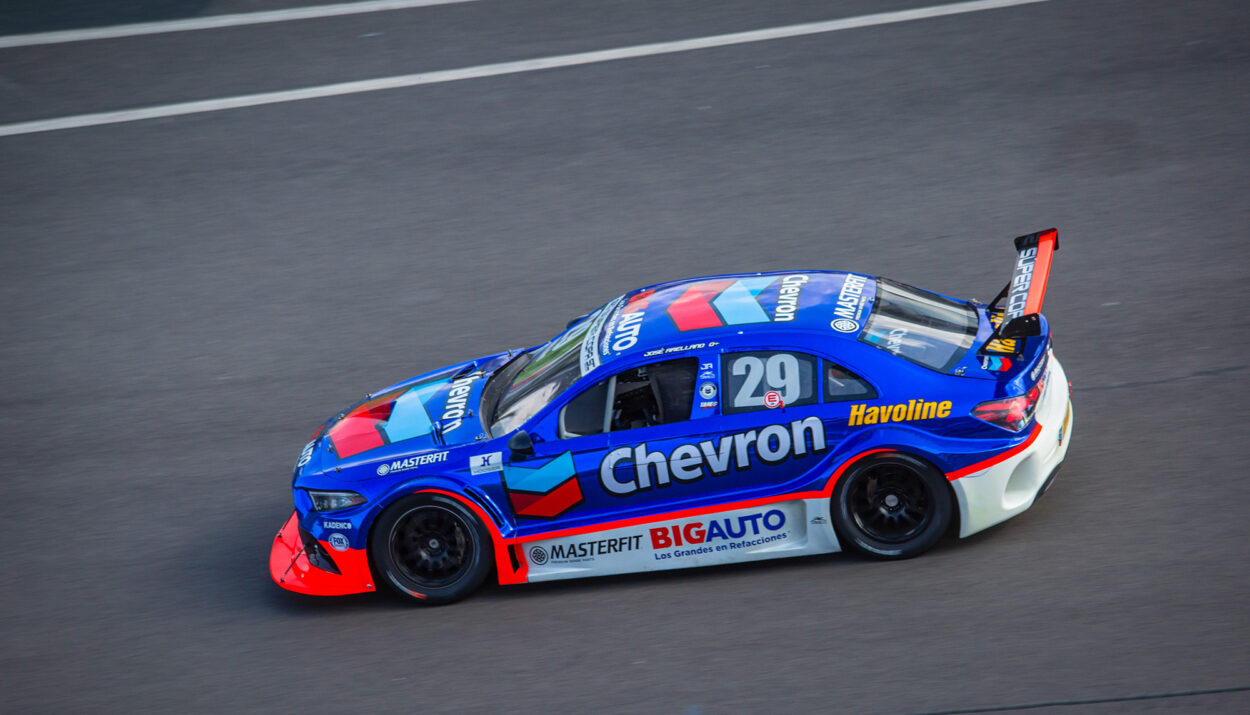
<point>768,380</point>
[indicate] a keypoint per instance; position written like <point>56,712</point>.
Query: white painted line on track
<point>210,22</point>
<point>502,68</point>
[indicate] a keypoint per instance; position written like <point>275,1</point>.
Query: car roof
<point>736,308</point>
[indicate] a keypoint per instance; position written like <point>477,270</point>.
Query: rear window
<point>920,326</point>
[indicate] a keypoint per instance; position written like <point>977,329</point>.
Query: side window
<point>585,414</point>
<point>767,379</point>
<point>842,384</point>
<point>656,394</point>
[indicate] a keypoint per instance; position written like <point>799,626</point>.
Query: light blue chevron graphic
<point>543,479</point>
<point>737,304</point>
<point>408,417</point>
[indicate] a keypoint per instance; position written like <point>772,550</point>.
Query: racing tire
<point>430,548</point>
<point>891,506</point>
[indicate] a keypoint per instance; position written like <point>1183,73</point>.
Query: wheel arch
<point>509,567</point>
<point>898,440</point>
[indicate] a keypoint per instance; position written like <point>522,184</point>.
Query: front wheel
<point>430,548</point>
<point>891,506</point>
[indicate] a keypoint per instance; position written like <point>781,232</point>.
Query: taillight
<point>1011,413</point>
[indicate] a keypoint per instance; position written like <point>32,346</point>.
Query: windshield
<point>920,326</point>
<point>538,377</point>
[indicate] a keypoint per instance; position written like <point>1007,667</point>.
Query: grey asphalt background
<point>183,300</point>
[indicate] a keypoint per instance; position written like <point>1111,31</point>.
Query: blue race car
<point>704,421</point>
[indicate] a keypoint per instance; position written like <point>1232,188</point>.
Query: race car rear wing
<point>1021,299</point>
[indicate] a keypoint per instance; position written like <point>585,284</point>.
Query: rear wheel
<point>430,548</point>
<point>891,506</point>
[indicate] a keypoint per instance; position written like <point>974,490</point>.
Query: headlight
<point>333,501</point>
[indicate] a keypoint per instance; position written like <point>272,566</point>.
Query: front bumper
<point>1006,488</point>
<point>292,569</point>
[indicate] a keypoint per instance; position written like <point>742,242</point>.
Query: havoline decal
<point>865,414</point>
<point>693,461</point>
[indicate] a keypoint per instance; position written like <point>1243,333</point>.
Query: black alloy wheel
<point>430,548</point>
<point>891,506</point>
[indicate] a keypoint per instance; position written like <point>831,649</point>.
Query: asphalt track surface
<point>184,299</point>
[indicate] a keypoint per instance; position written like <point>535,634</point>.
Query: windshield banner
<point>590,341</point>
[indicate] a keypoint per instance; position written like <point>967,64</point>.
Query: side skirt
<point>798,527</point>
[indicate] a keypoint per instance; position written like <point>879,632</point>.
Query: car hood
<point>423,414</point>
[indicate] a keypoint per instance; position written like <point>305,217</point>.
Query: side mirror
<point>521,445</point>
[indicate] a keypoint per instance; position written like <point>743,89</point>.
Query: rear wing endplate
<point>1021,299</point>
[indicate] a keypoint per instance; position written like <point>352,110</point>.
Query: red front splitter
<point>291,569</point>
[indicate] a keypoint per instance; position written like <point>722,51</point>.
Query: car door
<point>704,449</point>
<point>771,409</point>
<point>567,443</point>
<point>679,433</point>
<point>570,480</point>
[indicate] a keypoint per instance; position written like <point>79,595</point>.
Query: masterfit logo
<point>543,491</point>
<point>585,550</point>
<point>403,465</point>
<point>863,414</point>
<point>849,298</point>
<point>691,462</point>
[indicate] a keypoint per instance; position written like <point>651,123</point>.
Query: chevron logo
<point>390,418</point>
<point>543,492</point>
<point>712,304</point>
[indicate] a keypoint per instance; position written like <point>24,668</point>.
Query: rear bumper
<point>1005,489</point>
<point>292,569</point>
